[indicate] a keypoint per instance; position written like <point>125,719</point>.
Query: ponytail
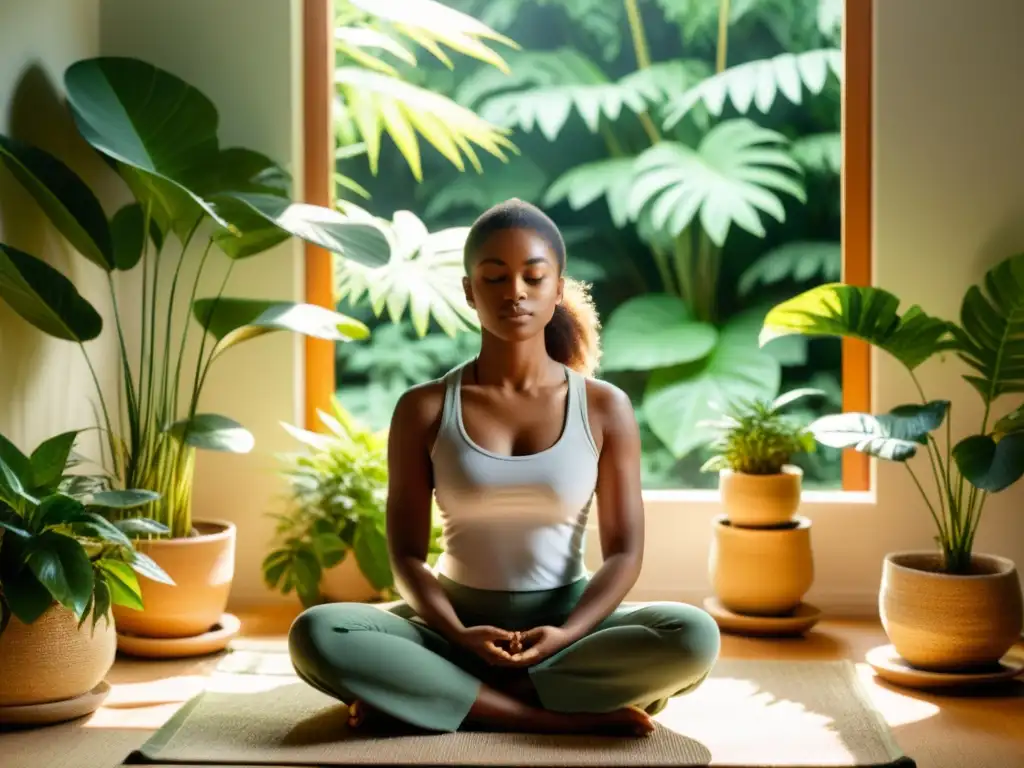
<point>572,337</point>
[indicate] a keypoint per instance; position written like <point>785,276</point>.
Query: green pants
<point>390,659</point>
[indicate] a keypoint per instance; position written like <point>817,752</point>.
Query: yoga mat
<point>747,714</point>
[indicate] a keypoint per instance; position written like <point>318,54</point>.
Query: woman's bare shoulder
<point>609,409</point>
<point>418,410</point>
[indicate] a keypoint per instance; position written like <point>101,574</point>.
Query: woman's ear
<point>561,289</point>
<point>467,288</point>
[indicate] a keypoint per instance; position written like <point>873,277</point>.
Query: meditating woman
<point>509,631</point>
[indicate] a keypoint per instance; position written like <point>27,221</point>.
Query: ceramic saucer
<point>56,711</point>
<point>217,639</point>
<point>797,622</point>
<point>889,666</point>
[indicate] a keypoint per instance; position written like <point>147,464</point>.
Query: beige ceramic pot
<point>943,622</point>
<point>52,659</point>
<point>761,571</point>
<point>202,568</point>
<point>345,583</point>
<point>760,500</point>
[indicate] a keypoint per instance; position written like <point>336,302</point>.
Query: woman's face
<point>514,283</point>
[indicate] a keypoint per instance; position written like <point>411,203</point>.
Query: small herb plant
<point>756,438</point>
<point>338,506</point>
<point>54,545</point>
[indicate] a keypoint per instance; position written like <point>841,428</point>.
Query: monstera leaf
<point>654,331</point>
<point>731,178</point>
<point>424,275</point>
<point>868,314</point>
<point>757,83</point>
<point>678,399</point>
<point>583,184</point>
<point>991,334</point>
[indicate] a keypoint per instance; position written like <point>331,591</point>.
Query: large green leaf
<point>17,463</point>
<point>50,458</point>
<point>232,321</point>
<point>654,331</point>
<point>869,314</point>
<point>989,465</point>
<point>160,128</point>
<point>26,597</point>
<point>66,199</point>
<point>680,398</point>
<point>757,83</point>
<point>796,260</point>
<point>61,565</point>
<point>45,297</point>
<point>582,184</point>
<point>1010,423</point>
<point>865,433</point>
<point>424,276</point>
<point>122,582</point>
<point>359,241</point>
<point>213,432</point>
<point>991,334</point>
<point>126,230</point>
<point>123,499</point>
<point>371,550</point>
<point>731,178</point>
<point>377,102</point>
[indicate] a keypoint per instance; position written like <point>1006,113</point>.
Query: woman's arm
<point>619,507</point>
<point>410,493</point>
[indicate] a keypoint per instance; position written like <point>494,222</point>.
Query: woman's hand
<point>535,645</point>
<point>491,644</point>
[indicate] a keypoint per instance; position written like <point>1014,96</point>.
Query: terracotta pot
<point>345,583</point>
<point>51,659</point>
<point>760,500</point>
<point>761,571</point>
<point>944,622</point>
<point>202,567</point>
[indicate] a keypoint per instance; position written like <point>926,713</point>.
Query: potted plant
<point>191,198</point>
<point>758,483</point>
<point>951,608</point>
<point>760,562</point>
<point>339,487</point>
<point>62,568</point>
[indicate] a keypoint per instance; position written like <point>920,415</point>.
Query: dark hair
<point>572,337</point>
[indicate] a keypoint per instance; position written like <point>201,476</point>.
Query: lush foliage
<point>691,165</point>
<point>989,338</point>
<point>56,547</point>
<point>338,507</point>
<point>160,136</point>
<point>757,438</point>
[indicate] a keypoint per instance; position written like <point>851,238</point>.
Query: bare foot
<point>361,716</point>
<point>631,721</point>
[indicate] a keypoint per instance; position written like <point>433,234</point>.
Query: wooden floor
<point>983,729</point>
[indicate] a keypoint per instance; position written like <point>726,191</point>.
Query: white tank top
<point>514,523</point>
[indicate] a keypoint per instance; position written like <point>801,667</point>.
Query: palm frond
<point>819,152</point>
<point>757,83</point>
<point>377,103</point>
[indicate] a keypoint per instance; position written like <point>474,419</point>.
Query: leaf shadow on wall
<point>38,115</point>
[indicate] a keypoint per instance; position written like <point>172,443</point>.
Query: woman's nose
<point>517,289</point>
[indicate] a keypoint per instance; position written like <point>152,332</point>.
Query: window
<point>700,173</point>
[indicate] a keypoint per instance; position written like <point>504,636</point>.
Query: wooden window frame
<point>318,75</point>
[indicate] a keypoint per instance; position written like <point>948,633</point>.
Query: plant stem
<point>188,323</point>
<point>938,523</point>
<point>133,414</point>
<point>167,414</point>
<point>114,453</point>
<point>643,61</point>
<point>201,380</point>
<point>723,35</point>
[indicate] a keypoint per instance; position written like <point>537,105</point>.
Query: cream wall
<point>948,201</point>
<point>38,40</point>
